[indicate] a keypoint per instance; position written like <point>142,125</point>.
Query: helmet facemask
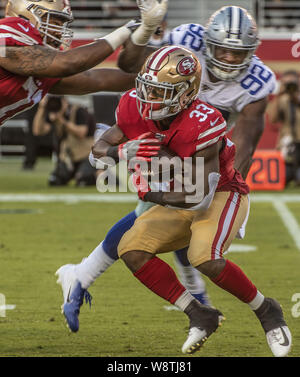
<point>53,35</point>
<point>50,17</point>
<point>234,29</point>
<point>169,100</point>
<point>225,71</point>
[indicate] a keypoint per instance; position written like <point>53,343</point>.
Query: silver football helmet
<point>232,28</point>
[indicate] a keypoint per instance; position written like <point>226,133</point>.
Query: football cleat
<point>205,321</point>
<point>73,294</point>
<point>195,340</point>
<point>280,341</point>
<point>278,335</point>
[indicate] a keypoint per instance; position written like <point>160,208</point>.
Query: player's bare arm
<point>178,199</point>
<point>95,80</point>
<point>132,57</point>
<point>42,61</point>
<point>107,145</point>
<point>246,134</point>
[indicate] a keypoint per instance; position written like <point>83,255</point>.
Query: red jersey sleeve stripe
<point>16,38</point>
<point>212,130</point>
<point>4,29</point>
<point>209,142</point>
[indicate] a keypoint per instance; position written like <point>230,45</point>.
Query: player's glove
<point>132,25</point>
<point>144,147</point>
<point>140,183</point>
<point>152,14</point>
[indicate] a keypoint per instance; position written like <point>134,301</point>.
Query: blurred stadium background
<point>279,27</point>
<point>40,233</point>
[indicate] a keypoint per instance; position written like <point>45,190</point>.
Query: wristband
<point>117,37</point>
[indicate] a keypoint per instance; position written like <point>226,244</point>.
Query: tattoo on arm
<point>30,60</point>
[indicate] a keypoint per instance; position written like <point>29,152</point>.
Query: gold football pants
<point>207,233</point>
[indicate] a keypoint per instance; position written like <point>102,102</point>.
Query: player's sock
<point>93,266</point>
<point>159,277</point>
<point>190,277</point>
<point>105,254</point>
<point>233,280</point>
<point>257,301</point>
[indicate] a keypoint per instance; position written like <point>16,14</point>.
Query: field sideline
<point>43,228</point>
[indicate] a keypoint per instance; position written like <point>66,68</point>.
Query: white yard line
<point>122,198</point>
<point>278,201</point>
<point>288,220</point>
<point>275,197</point>
<point>68,198</point>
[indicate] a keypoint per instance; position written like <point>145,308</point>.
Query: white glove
<point>92,160</point>
<point>152,14</point>
<point>100,163</point>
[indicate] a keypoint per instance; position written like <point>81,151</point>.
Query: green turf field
<point>125,319</point>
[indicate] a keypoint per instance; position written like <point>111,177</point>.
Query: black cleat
<point>204,321</point>
<point>278,335</point>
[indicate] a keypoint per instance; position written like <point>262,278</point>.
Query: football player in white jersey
<point>236,82</point>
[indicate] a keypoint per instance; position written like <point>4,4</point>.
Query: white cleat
<point>195,340</point>
<point>280,341</point>
<point>67,279</point>
<point>204,321</point>
<point>278,335</point>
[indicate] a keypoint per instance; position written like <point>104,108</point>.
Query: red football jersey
<point>19,93</point>
<point>194,129</point>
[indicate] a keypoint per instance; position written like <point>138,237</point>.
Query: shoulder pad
<point>259,80</point>
<point>189,36</point>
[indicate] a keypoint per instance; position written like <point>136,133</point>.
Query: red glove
<point>140,183</point>
<point>144,146</point>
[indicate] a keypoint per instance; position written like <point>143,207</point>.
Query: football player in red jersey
<point>234,81</point>
<point>33,62</point>
<point>164,102</point>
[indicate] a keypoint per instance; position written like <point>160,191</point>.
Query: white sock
<point>190,278</point>
<point>93,266</point>
<point>257,301</point>
<point>184,300</point>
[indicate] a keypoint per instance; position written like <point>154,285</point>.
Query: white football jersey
<point>230,97</point>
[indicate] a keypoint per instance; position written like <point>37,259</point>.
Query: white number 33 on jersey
<point>201,115</point>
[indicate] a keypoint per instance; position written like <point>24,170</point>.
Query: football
<point>162,167</point>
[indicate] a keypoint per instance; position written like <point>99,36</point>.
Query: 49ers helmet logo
<point>187,66</point>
